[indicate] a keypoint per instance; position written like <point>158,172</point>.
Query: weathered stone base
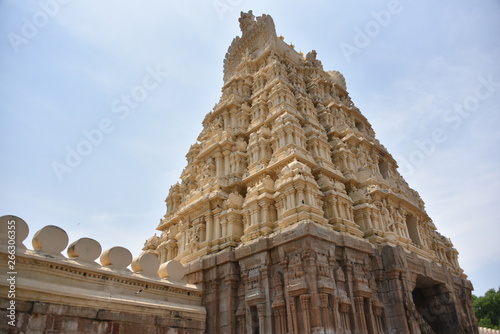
<point>34,317</point>
<point>310,279</point>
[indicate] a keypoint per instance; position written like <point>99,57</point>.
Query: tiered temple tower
<point>293,216</point>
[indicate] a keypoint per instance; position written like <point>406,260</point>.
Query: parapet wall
<point>483,330</point>
<point>42,290</point>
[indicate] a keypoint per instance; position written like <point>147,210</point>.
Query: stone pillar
<point>396,314</point>
<point>293,311</point>
<point>219,164</point>
<point>223,224</point>
<point>227,126</point>
<point>327,320</point>
<point>203,232</point>
<point>369,220</point>
<point>212,304</point>
<point>371,323</point>
<point>240,319</point>
<point>210,227</point>
<point>312,271</point>
<point>265,283</point>
<point>338,207</point>
<point>261,309</point>
<point>334,205</point>
<point>359,301</point>
<point>305,301</point>
<point>345,323</point>
<point>336,314</point>
<point>349,287</point>
<point>300,194</point>
<point>247,221</point>
<point>378,313</point>
<point>282,320</point>
<point>277,322</point>
<point>231,281</point>
<point>289,310</point>
<point>217,231</point>
<point>265,212</point>
<point>262,150</point>
<point>226,162</point>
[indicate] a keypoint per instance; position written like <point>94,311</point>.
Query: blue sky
<point>138,78</point>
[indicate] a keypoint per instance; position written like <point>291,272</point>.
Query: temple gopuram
<point>293,217</point>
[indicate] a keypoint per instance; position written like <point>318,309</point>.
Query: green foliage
<point>487,309</point>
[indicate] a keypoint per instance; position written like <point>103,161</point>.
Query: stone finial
<point>13,229</point>
<point>85,250</point>
<point>146,264</point>
<point>50,240</point>
<point>174,270</point>
<point>311,58</point>
<point>247,21</point>
<point>338,78</point>
<point>116,258</point>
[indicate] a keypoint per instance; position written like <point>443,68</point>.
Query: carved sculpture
<point>292,213</point>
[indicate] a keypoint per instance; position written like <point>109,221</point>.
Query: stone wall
<point>42,291</point>
<point>308,279</point>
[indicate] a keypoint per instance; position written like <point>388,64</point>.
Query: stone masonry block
<point>40,308</point>
<point>124,317</point>
<point>74,311</point>
<point>37,322</point>
<point>21,305</point>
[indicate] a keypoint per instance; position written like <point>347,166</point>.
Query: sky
<point>101,100</point>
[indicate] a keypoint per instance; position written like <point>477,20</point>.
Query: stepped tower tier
<point>286,144</point>
<point>286,158</point>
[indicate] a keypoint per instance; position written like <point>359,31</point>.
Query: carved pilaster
<point>336,314</point>
<point>359,302</point>
<point>305,302</point>
<point>293,315</point>
<point>325,314</point>
<point>261,309</point>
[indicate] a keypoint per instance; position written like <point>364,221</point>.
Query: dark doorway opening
<point>436,307</point>
<point>255,320</point>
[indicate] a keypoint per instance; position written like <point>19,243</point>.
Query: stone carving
<point>311,58</point>
<point>18,228</point>
<point>172,269</point>
<point>50,240</point>
<point>290,201</point>
<point>146,264</point>
<point>85,250</point>
<point>247,21</point>
<point>116,258</point>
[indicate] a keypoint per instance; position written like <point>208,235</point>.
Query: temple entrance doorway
<point>435,306</point>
